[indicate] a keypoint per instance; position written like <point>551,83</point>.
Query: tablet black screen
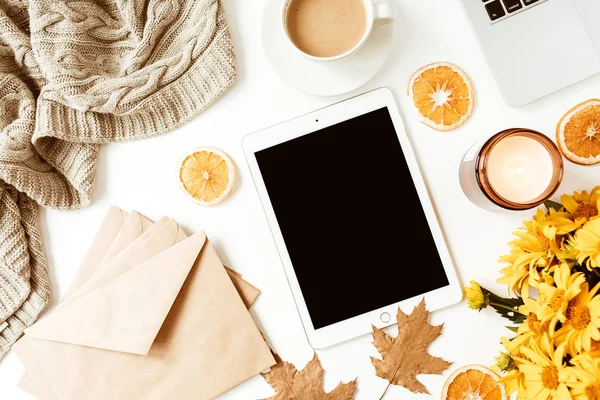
<point>351,218</point>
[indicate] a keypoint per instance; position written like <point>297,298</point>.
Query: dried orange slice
<point>578,133</point>
<point>443,95</point>
<point>207,175</point>
<point>473,382</point>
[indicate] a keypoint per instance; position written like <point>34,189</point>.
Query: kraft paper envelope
<point>117,231</point>
<point>116,335</point>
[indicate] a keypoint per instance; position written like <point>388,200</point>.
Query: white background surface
<point>141,175</point>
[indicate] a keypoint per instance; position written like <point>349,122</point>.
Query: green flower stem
<point>509,308</point>
<point>512,303</point>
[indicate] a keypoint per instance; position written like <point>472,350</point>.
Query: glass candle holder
<point>516,169</point>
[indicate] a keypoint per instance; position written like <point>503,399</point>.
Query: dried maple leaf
<point>405,356</point>
<point>291,384</point>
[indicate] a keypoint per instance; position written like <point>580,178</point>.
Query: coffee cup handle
<point>383,13</point>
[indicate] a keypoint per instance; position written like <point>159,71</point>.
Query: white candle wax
<point>519,169</point>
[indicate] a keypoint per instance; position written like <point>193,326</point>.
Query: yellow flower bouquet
<point>553,268</point>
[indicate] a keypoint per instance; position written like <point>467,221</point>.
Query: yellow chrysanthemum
<point>534,326</point>
<point>504,362</point>
<point>514,345</point>
<point>585,377</point>
<point>475,297</point>
<point>561,222</point>
<point>567,253</point>
<point>545,373</point>
<point>586,244</point>
<point>532,254</point>
<point>555,298</point>
<point>582,323</point>
<point>514,380</point>
<point>582,205</point>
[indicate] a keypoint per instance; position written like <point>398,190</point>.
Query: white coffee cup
<point>376,12</point>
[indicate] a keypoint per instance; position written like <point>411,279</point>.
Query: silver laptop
<point>536,47</point>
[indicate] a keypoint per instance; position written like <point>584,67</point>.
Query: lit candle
<point>516,169</point>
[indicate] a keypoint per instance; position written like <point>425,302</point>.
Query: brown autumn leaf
<point>291,384</point>
<point>405,356</point>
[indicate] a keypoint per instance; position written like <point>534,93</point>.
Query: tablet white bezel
<point>318,120</point>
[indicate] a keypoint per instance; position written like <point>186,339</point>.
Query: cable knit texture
<point>75,74</point>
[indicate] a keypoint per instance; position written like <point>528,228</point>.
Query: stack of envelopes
<point>151,314</point>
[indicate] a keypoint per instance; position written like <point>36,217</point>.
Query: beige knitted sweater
<point>76,73</point>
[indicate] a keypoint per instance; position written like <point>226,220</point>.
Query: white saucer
<point>322,78</point>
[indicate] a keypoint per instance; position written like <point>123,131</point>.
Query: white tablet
<point>351,217</point>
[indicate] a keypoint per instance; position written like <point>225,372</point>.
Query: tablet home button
<point>385,317</point>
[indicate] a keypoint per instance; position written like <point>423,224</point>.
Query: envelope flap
<point>111,225</point>
<point>132,228</point>
<point>152,242</point>
<point>126,313</point>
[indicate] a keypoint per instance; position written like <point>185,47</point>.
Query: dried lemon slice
<point>207,175</point>
<point>443,95</point>
<point>578,133</point>
<point>473,382</point>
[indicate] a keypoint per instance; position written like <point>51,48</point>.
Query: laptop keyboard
<point>502,9</point>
